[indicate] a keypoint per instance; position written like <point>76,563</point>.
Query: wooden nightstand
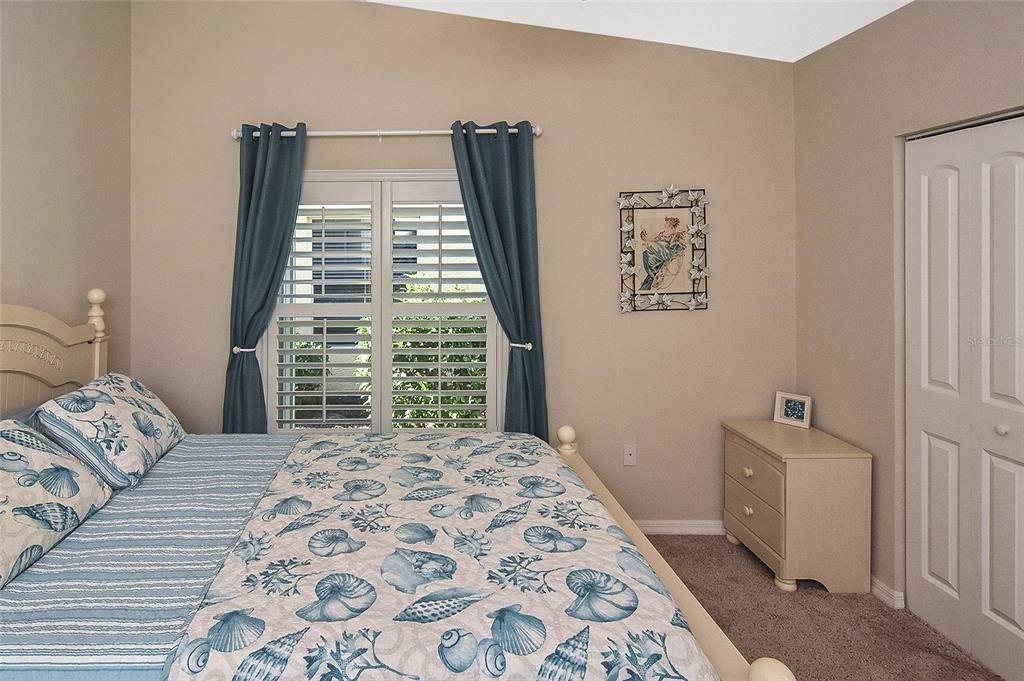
<point>801,501</point>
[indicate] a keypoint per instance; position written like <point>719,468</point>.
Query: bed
<point>343,556</point>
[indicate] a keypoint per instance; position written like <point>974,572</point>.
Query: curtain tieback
<point>235,350</point>
<point>528,346</point>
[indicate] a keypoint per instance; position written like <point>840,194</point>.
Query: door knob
<point>747,511</point>
<point>748,472</point>
<point>1002,430</point>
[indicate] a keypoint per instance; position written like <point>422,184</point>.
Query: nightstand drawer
<point>754,473</point>
<point>756,515</point>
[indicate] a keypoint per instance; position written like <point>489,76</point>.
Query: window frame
<point>317,188</point>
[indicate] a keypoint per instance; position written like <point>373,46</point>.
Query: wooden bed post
<point>769,669</point>
<point>96,298</point>
<point>567,441</point>
<point>727,660</point>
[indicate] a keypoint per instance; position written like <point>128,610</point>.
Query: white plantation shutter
<point>439,371</point>
<point>432,255</point>
<point>382,319</point>
<point>324,372</point>
<point>330,260</point>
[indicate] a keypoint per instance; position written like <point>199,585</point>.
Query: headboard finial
<point>96,298</point>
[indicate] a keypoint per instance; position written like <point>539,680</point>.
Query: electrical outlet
<point>628,455</point>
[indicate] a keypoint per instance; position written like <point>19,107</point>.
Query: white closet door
<point>965,389</point>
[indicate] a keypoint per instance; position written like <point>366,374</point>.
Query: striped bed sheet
<point>112,600</point>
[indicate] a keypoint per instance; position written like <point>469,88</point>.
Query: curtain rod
<point>380,134</point>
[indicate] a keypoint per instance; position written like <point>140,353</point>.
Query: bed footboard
<point>727,660</point>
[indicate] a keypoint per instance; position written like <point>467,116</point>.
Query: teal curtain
<point>270,170</point>
<point>496,179</point>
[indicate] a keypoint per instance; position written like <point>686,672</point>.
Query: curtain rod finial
<point>537,131</point>
<point>236,134</point>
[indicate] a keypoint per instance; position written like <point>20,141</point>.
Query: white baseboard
<point>681,526</point>
<point>888,595</point>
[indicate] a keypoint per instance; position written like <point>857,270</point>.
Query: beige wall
<point>64,106</point>
<point>926,65</point>
<point>617,115</point>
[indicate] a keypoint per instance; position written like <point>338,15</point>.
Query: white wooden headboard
<point>42,357</point>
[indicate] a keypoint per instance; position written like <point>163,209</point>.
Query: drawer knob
<point>748,472</point>
<point>747,511</point>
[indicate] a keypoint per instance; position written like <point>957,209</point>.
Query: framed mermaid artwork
<point>663,250</point>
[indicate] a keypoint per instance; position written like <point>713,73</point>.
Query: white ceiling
<point>786,30</point>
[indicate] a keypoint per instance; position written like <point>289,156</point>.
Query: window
<point>382,320</point>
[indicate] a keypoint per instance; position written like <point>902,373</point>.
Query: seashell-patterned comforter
<point>435,556</point>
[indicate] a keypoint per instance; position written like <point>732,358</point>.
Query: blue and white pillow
<point>114,424</point>
<point>45,493</point>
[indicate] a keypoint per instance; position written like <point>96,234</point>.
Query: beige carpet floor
<point>821,636</point>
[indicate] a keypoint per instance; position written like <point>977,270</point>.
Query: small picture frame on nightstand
<point>793,410</point>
